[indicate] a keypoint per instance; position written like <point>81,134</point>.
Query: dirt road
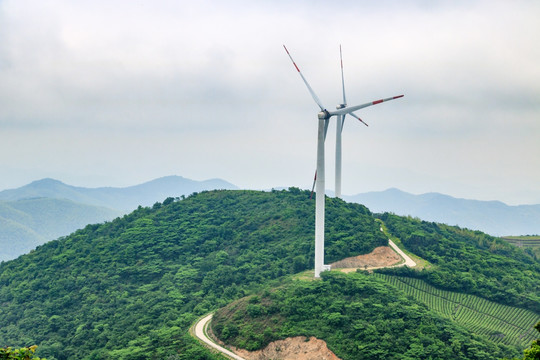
<point>408,261</point>
<point>200,332</point>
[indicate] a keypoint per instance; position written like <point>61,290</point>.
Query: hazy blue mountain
<point>27,223</point>
<point>125,199</point>
<point>47,209</point>
<point>493,217</point>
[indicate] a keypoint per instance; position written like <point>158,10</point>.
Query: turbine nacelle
<point>324,115</point>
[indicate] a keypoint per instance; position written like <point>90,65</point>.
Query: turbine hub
<point>324,115</point>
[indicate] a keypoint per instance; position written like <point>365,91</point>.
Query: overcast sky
<point>115,93</point>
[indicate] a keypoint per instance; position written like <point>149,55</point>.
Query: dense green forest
<point>360,316</point>
<point>130,288</point>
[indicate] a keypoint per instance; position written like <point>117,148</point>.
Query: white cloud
<point>90,85</point>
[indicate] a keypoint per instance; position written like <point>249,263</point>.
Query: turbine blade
<point>326,123</point>
<point>354,116</point>
<point>313,95</point>
<point>313,187</point>
<point>350,109</point>
<point>342,78</point>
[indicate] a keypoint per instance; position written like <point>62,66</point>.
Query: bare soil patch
<point>380,257</point>
<point>295,348</point>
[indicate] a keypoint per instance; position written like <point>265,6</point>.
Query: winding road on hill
<point>408,261</point>
<point>199,329</point>
<point>200,332</point>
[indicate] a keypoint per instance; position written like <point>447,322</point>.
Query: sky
<point>116,93</point>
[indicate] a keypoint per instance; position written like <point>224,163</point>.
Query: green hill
<point>130,288</point>
<point>440,312</point>
<point>360,316</point>
<point>469,261</point>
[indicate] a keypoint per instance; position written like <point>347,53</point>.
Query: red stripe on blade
<point>377,102</point>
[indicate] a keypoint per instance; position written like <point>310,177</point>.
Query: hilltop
<point>130,288</point>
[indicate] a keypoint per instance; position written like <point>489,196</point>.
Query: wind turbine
<point>324,118</point>
<point>339,129</point>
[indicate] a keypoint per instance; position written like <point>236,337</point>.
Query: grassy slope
<point>454,254</point>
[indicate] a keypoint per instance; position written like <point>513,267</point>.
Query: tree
<point>25,353</point>
<point>533,353</point>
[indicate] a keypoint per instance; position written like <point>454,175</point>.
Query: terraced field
<point>523,241</point>
<point>530,243</point>
<point>500,323</point>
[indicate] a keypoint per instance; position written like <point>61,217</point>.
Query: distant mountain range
<point>492,217</point>
<point>47,209</point>
<point>124,199</point>
<point>27,223</point>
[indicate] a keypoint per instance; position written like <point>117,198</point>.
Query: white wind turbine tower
<point>324,118</point>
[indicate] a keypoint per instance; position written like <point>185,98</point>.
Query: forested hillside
<point>130,288</point>
<point>469,261</point>
<point>360,316</point>
<point>393,314</point>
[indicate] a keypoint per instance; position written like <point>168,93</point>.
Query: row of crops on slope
<point>523,241</point>
<point>500,323</point>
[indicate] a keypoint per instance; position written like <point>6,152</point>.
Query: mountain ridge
<point>493,217</point>
<point>119,198</point>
